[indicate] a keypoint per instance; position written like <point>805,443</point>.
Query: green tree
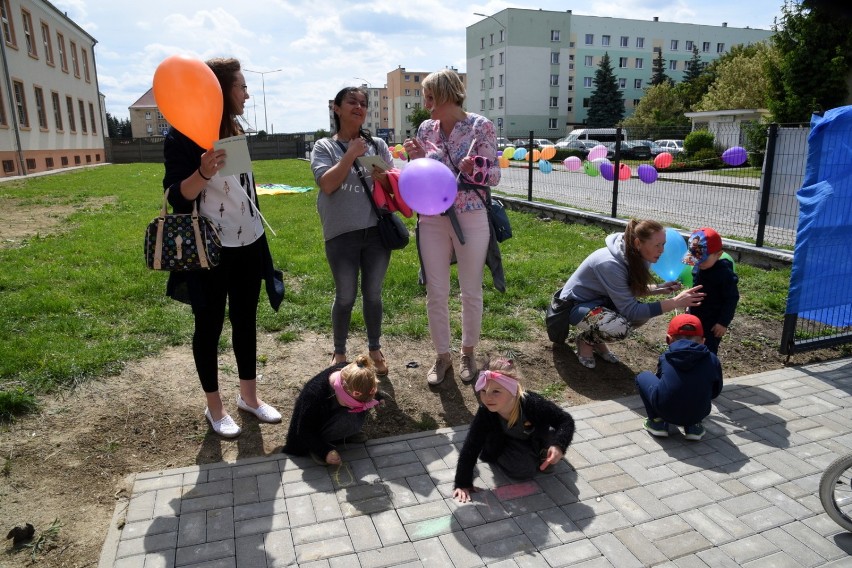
<point>321,133</point>
<point>118,127</point>
<point>696,81</point>
<point>741,79</point>
<point>417,116</point>
<point>659,71</point>
<point>694,66</point>
<point>606,105</point>
<point>657,112</point>
<point>810,75</point>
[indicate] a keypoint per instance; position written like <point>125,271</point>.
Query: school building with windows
<point>534,69</point>
<point>51,112</point>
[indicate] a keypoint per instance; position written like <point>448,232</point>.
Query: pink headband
<point>354,404</point>
<point>505,381</point>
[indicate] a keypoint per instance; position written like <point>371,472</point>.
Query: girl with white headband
<point>519,430</point>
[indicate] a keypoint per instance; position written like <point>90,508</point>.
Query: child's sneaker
<point>657,427</point>
<point>694,432</point>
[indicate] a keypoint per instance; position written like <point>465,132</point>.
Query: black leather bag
<point>392,231</point>
<point>499,221</point>
<point>558,317</point>
<point>181,242</point>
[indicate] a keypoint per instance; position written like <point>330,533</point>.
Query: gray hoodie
<point>603,276</point>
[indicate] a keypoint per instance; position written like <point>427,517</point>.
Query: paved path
<point>744,496</point>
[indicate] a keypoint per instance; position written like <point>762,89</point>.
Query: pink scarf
<point>507,382</point>
<point>348,400</point>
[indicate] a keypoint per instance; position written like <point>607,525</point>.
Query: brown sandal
<point>379,363</point>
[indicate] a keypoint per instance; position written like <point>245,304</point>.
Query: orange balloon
<point>548,152</point>
<point>504,162</point>
<point>536,155</point>
<point>190,97</point>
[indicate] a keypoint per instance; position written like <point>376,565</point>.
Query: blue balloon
<point>545,166</point>
<point>670,264</point>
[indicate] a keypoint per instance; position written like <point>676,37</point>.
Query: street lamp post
<point>506,73</point>
<point>263,85</point>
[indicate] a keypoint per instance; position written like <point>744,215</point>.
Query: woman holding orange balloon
<point>193,176</point>
<point>352,243</point>
<point>467,144</point>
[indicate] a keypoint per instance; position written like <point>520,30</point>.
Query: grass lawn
<point>78,302</point>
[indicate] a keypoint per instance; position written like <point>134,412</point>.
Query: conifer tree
<point>606,105</point>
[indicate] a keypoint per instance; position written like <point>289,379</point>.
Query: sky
<point>313,48</point>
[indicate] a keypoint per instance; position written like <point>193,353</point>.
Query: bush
<point>755,142</point>
<point>697,141</point>
<point>706,158</point>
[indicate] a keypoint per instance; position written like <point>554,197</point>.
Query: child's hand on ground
<point>554,454</point>
<point>462,494</point>
<point>333,458</point>
<point>719,330</point>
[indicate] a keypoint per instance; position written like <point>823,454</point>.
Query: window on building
<point>640,63</point>
<point>586,103</point>
<point>622,62</point>
<point>500,102</point>
<point>407,78</point>
<point>689,45</point>
<point>92,119</point>
<point>502,35</point>
<point>85,57</point>
<point>554,102</point>
<point>46,43</point>
<point>482,84</point>
<point>481,104</point>
<point>554,58</point>
<point>75,64</point>
<point>60,45</point>
<point>552,123</point>
<point>491,82</point>
<point>31,163</point>
<point>720,48</point>
<point>640,42</point>
<point>590,39</point>
<point>21,104</point>
<point>705,47</point>
<point>28,33</point>
<point>76,160</point>
<point>500,80</point>
<point>416,94</point>
<point>635,102</point>
<point>673,65</point>
<point>69,105</point>
<point>57,110</point>
<point>637,83</point>
<point>587,81</point>
<point>500,58</point>
<point>588,61</point>
<point>407,92</point>
<point>8,25</point>
<point>492,39</point>
<point>554,80</point>
<point>82,116</point>
<point>482,63</point>
<point>8,166</point>
<point>41,112</point>
<point>554,35</point>
<point>48,162</point>
<point>624,41</point>
<point>491,103</point>
<point>673,45</point>
<point>570,87</point>
<point>605,40</point>
<point>3,120</point>
<point>491,61</point>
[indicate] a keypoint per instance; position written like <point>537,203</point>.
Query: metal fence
<point>270,147</point>
<point>753,202</point>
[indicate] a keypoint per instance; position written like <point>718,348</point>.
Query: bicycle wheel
<point>835,491</point>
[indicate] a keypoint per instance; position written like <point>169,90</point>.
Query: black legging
<point>237,280</point>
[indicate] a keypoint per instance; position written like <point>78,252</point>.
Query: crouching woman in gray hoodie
<point>601,298</point>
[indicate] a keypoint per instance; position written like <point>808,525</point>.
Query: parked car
<point>670,146</point>
<point>655,148</point>
<point>538,143</point>
<point>502,143</point>
<point>582,146</point>
<point>629,151</point>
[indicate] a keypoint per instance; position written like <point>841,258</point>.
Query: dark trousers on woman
<point>235,282</point>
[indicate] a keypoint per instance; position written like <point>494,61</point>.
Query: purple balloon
<point>428,186</point>
<point>647,173</point>
<point>735,156</point>
<point>573,163</point>
<point>607,171</point>
<point>499,153</point>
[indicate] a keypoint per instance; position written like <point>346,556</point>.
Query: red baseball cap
<point>686,324</point>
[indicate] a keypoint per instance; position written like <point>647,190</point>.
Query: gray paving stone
<point>794,548</point>
<point>150,527</point>
<point>389,527</point>
<point>393,555</point>
<point>205,552</point>
<point>707,527</point>
<point>319,531</point>
<point>220,524</point>
<point>813,540</point>
<point>749,548</point>
<point>765,519</point>
<point>512,546</point>
<point>430,528</point>
<point>571,554</point>
<point>583,510</point>
<point>631,511</point>
<point>400,493</point>
<point>262,509</point>
<point>777,560</point>
<point>687,501</point>
<point>325,505</point>
<point>640,546</point>
<point>363,533</point>
<point>538,531</point>
<point>615,551</point>
<point>147,544</point>
<point>325,548</point>
<point>716,558</point>
<point>260,525</point>
<point>301,511</point>
<point>683,544</point>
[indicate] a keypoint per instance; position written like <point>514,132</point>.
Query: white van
<point>599,134</point>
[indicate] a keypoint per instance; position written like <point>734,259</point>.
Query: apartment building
<point>405,93</point>
<point>534,69</point>
<point>51,113</point>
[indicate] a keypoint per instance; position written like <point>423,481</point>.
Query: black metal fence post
<point>766,183</point>
<point>615,166</point>
<point>530,163</point>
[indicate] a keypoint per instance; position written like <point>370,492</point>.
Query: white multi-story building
<point>50,110</point>
<point>534,69</point>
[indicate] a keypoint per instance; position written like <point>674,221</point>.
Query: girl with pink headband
<point>332,409</point>
<point>521,431</point>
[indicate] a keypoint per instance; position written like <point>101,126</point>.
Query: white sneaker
<point>264,412</point>
<point>225,426</point>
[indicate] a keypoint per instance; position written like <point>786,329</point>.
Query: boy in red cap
<point>719,282</point>
<point>688,377</point>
